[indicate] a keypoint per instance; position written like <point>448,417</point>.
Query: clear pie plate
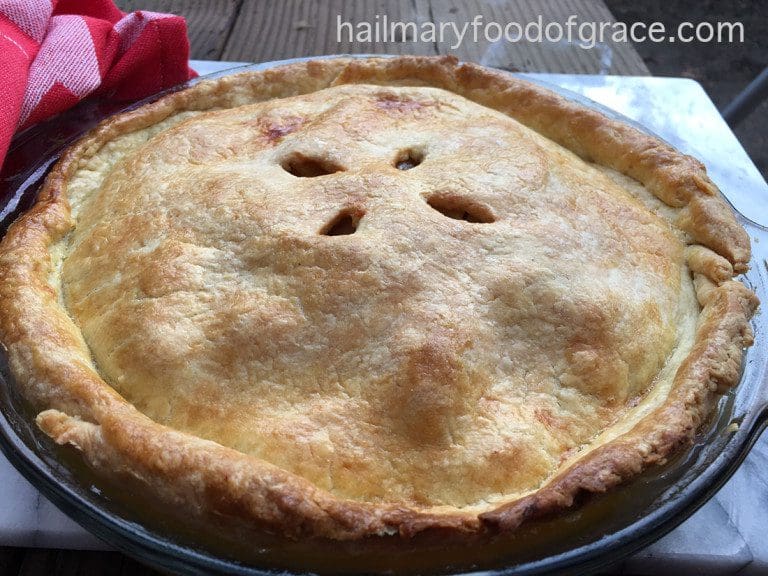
<point>594,534</point>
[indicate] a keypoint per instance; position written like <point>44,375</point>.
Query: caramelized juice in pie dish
<point>345,298</point>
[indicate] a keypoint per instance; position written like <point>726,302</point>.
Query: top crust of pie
<point>345,298</point>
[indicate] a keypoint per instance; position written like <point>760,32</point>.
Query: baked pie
<point>355,297</point>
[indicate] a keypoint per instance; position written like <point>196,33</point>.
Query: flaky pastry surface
<point>343,298</point>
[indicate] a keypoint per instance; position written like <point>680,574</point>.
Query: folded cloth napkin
<point>54,53</point>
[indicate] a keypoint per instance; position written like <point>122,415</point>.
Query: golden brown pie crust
<point>425,372</point>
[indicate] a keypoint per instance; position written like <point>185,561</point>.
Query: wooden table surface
<point>263,30</point>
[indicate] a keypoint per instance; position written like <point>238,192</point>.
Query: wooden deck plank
<point>38,562</point>
<point>275,30</point>
<point>11,560</point>
<point>262,30</point>
<point>45,562</point>
<point>278,29</point>
<point>209,22</point>
<point>559,57</point>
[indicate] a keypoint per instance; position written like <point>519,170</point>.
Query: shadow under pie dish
<point>374,297</point>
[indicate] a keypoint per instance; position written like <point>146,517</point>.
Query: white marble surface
<point>729,534</point>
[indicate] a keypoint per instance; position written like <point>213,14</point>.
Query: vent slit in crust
<point>303,166</point>
<point>410,158</point>
<point>459,208</point>
<point>344,223</point>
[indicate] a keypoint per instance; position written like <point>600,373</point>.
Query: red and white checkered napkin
<point>54,53</point>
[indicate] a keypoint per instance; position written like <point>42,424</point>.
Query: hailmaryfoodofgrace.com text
<point>586,34</point>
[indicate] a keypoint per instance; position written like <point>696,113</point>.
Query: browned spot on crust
<point>393,102</point>
<point>276,130</point>
<point>544,416</point>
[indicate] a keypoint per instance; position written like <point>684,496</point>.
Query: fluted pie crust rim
<point>49,358</point>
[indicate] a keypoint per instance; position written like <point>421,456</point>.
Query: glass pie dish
<point>631,516</point>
